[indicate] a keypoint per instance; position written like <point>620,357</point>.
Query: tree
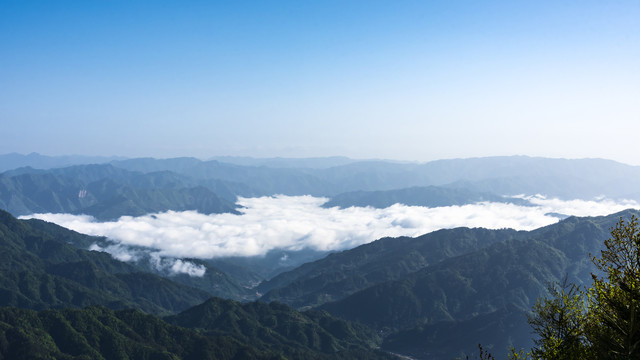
<point>614,307</point>
<point>559,322</point>
<point>602,322</point>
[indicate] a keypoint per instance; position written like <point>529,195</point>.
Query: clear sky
<point>406,80</point>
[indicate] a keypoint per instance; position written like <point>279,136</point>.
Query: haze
<point>410,80</point>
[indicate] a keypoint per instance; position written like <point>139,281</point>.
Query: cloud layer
<point>297,222</point>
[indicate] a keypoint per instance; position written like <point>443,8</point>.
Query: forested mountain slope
<point>341,274</point>
<point>101,333</point>
<point>498,283</point>
<point>40,270</point>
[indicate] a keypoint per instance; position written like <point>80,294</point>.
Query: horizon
<point>222,157</point>
<point>409,81</point>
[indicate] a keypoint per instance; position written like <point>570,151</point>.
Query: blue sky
<point>406,80</point>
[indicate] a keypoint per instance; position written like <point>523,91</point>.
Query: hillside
<point>498,283</point>
<point>277,327</point>
<point>100,333</point>
<point>39,270</point>
<point>341,274</point>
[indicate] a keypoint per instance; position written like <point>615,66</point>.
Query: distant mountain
<point>507,175</point>
<point>104,192</point>
<point>279,162</point>
<point>35,160</point>
<point>262,180</point>
<point>428,196</point>
<point>498,283</point>
<point>136,186</point>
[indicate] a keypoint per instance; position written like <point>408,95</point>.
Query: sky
<point>300,222</point>
<point>403,80</point>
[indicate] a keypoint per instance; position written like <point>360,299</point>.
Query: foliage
<point>559,322</point>
<point>604,322</point>
<point>615,296</point>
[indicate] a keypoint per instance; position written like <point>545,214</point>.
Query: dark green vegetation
<point>101,333</point>
<point>41,270</point>
<point>276,326</point>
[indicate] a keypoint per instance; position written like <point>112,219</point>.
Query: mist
<point>298,222</point>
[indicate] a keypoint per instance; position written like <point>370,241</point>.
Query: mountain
<point>139,186</point>
<point>504,175</point>
<point>100,333</point>
<point>279,162</point>
<point>498,283</point>
<point>428,196</point>
<point>40,270</point>
<point>38,161</point>
<point>261,179</point>
<point>507,175</point>
<point>344,273</point>
<point>277,327</point>
<point>104,192</point>
<point>213,281</point>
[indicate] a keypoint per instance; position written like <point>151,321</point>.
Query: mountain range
<point>434,296</point>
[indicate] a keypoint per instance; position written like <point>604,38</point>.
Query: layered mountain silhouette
<point>435,296</point>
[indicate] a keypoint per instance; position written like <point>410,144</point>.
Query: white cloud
<point>176,266</point>
<point>297,222</point>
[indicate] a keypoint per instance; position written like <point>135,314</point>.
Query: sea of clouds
<point>298,222</point>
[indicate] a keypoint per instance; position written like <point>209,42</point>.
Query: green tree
<point>614,326</point>
<point>559,321</point>
<point>602,322</point>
